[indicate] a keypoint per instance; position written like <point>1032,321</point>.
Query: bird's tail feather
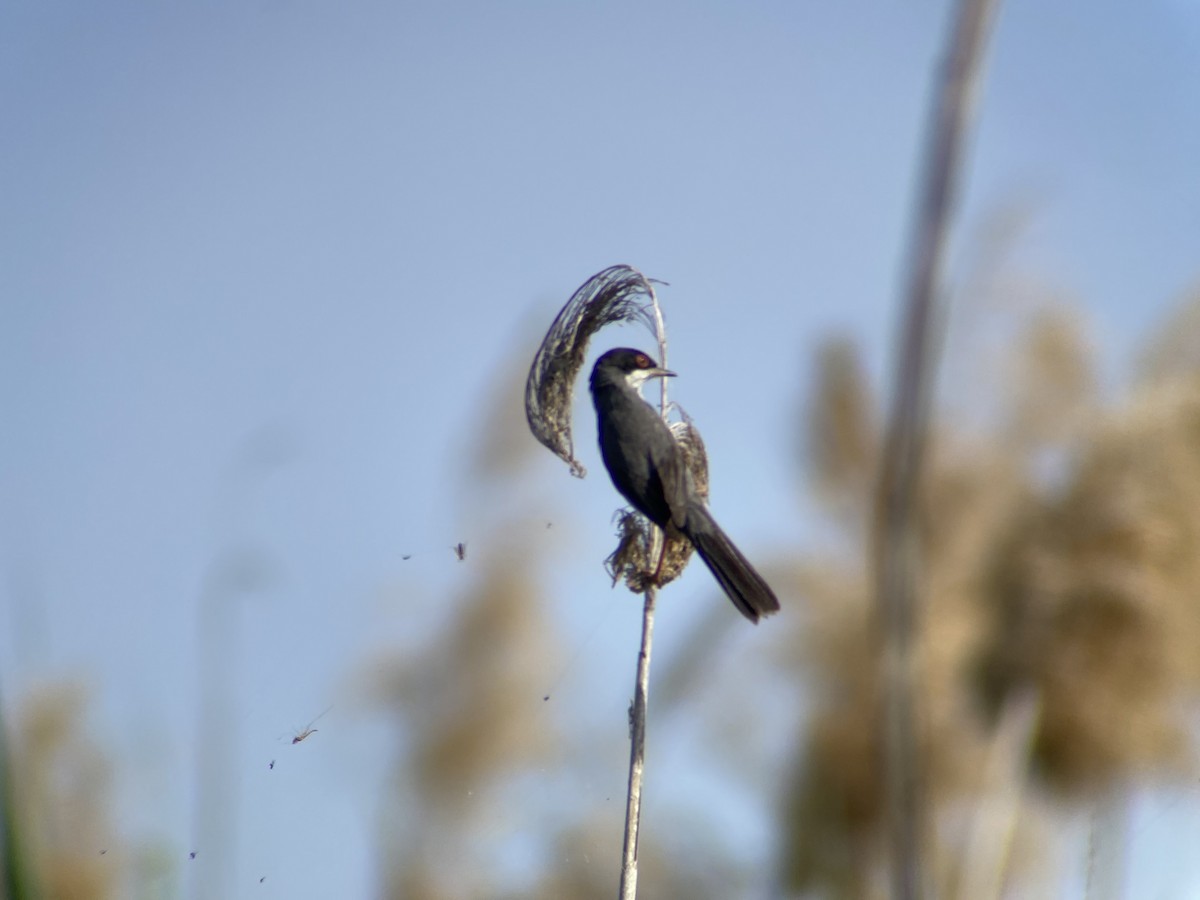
<point>747,589</point>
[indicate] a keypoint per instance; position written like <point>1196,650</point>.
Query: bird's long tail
<point>746,588</point>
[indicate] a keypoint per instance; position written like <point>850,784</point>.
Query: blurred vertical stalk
<point>1108,842</point>
<point>16,863</point>
<point>896,552</point>
<point>989,842</point>
<point>637,753</point>
<point>237,570</point>
<point>215,829</point>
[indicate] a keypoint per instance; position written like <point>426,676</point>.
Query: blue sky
<point>329,227</point>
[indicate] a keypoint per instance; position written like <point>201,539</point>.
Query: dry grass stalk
<point>637,754</point>
<point>984,861</point>
<point>896,553</point>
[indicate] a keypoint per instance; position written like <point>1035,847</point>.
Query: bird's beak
<point>661,373</point>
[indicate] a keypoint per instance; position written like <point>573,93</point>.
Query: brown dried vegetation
<point>1061,564</point>
<point>61,798</point>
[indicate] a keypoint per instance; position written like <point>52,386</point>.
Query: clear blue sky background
<point>339,222</point>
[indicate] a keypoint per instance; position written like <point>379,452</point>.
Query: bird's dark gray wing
<point>672,473</point>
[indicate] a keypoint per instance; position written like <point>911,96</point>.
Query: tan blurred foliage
<point>468,705</point>
<point>62,798</point>
<point>1061,567</point>
<point>840,432</point>
<point>469,714</point>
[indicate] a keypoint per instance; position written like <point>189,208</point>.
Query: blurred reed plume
<point>468,705</point>
<point>60,806</point>
<point>468,712</point>
<point>839,435</point>
<point>1060,626</point>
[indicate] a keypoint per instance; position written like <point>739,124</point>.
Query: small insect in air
<point>407,556</point>
<point>192,855</point>
<point>271,764</point>
<point>460,550</point>
<point>308,729</point>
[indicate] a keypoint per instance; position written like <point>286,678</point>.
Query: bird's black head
<point>626,366</point>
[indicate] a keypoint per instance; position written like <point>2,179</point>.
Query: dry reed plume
<point>62,803</point>
<point>468,708</point>
<point>1060,581</point>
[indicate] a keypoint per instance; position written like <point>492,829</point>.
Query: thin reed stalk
<point>637,753</point>
<point>897,553</point>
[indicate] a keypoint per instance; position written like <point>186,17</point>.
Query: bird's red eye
<point>643,361</point>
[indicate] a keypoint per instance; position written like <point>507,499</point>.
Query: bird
<point>647,466</point>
